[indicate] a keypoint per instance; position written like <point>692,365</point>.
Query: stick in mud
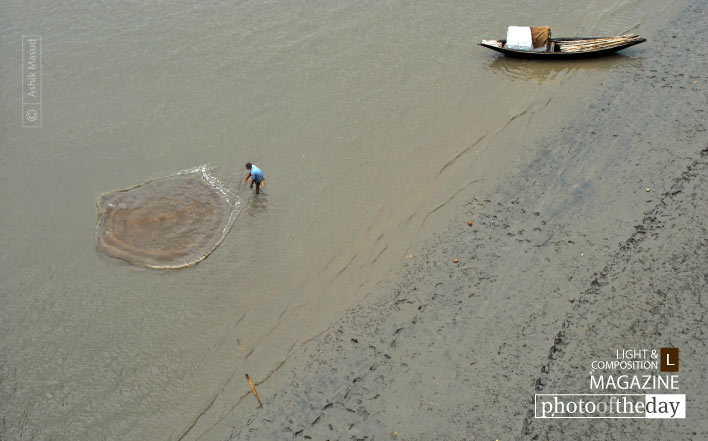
<point>250,383</point>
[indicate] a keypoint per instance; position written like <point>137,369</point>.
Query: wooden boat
<point>563,48</point>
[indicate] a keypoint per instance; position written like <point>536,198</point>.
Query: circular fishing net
<point>166,223</point>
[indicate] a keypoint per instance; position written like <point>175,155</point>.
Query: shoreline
<point>568,256</point>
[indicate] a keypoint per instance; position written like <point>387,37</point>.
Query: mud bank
<point>594,240</point>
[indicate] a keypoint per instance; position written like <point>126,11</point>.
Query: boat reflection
<point>549,70</point>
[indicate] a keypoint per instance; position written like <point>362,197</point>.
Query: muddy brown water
<point>372,121</point>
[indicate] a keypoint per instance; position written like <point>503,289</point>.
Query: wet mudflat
<point>596,240</point>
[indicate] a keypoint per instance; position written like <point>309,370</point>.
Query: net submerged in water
<point>167,223</point>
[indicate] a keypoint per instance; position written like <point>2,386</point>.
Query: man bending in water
<point>256,176</point>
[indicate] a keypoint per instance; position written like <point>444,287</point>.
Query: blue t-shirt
<point>256,173</point>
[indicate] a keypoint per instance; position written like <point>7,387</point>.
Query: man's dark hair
<point>249,165</point>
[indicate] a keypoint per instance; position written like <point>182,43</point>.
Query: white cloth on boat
<point>519,37</point>
<point>495,43</point>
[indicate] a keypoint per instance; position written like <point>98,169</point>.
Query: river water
<point>372,121</point>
